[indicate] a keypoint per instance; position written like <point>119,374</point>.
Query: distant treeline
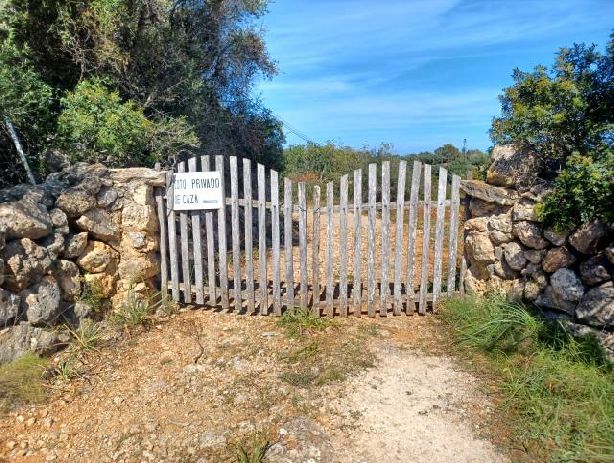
<point>320,164</point>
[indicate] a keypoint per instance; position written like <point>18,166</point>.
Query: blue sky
<point>416,74</point>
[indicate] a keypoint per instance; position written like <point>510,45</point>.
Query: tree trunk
<point>22,155</point>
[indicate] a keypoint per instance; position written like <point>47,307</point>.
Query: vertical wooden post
<point>185,249</point>
<point>385,237</point>
<point>163,240</point>
<point>399,237</point>
<point>411,239</point>
<point>315,257</point>
<point>453,241</point>
<point>172,236</point>
<point>426,238</point>
<point>275,240</point>
<point>302,230</point>
<point>221,236</point>
<point>197,234</point>
<point>262,245</point>
<point>343,247</point>
<point>249,230</point>
<point>330,288</point>
<point>371,243</point>
<point>288,245</point>
<point>204,161</point>
<point>439,231</point>
<point>235,232</point>
<point>357,290</point>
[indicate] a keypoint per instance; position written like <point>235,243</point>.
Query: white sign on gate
<point>197,190</point>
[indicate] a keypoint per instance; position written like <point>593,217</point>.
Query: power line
<point>297,132</point>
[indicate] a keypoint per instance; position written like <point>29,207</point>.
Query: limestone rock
<point>2,236</point>
<point>597,306</point>
<point>80,313</point>
<point>1,271</point>
<point>75,246</point>
<point>503,270</point>
<point>19,339</point>
<point>59,220</point>
<point>137,217</point>
<point>530,234</point>
<point>534,256</point>
<point>479,208</point>
<point>105,283</point>
<point>514,255</point>
<point>69,279</point>
<point>512,165</point>
<point>595,270</point>
<point>25,263</point>
<point>555,237</point>
<point>489,193</point>
<point>139,267</point>
<point>41,303</point>
<point>76,201</point>
<point>567,285</point>
<point>99,224</point>
<point>589,238</point>
<point>54,245</point>
<point>479,248</point>
<point>557,258</point>
<point>97,257</point>
<point>9,307</point>
<point>524,210</point>
<point>149,176</point>
<point>106,197</point>
<point>549,299</point>
<point>532,290</point>
<point>25,219</point>
<point>500,228</point>
<point>477,224</point>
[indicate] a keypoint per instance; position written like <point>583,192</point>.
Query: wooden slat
<point>385,238</point>
<point>439,231</point>
<point>302,240</point>
<point>275,242</point>
<point>159,194</point>
<point>235,232</point>
<point>185,249</point>
<point>426,238</point>
<point>453,240</point>
<point>249,230</point>
<point>411,240</point>
<point>197,242</point>
<point>399,237</point>
<point>329,249</point>
<point>315,250</point>
<point>221,238</point>
<point>288,254</point>
<point>357,290</point>
<point>343,247</point>
<point>262,246</point>
<point>463,273</point>
<point>205,166</point>
<point>371,243</point>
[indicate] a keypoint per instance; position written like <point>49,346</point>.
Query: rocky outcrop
<point>507,247</point>
<point>85,227</point>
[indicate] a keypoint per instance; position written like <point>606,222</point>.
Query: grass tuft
<point>559,389</point>
<point>299,321</point>
<point>253,451</point>
<point>87,336</point>
<point>22,381</point>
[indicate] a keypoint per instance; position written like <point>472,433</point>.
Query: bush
<point>583,191</point>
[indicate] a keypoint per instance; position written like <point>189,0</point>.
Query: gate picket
<point>382,269</point>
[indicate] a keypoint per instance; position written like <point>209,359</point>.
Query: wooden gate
<point>388,255</point>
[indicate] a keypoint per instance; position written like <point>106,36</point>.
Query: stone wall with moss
<point>81,239</point>
<point>569,275</point>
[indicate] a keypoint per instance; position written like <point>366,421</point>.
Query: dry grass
<point>21,382</point>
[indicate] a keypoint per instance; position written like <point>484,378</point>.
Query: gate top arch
<point>276,245</point>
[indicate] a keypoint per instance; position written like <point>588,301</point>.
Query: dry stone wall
<point>507,248</point>
<point>86,229</point>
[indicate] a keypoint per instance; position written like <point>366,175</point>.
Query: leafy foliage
<point>582,192</point>
<point>567,115</point>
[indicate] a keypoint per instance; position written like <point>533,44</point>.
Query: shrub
<point>583,191</point>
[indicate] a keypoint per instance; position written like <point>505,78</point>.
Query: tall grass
<point>559,389</point>
<point>21,381</point>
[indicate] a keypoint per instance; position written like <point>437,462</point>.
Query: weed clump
<point>22,381</point>
<point>300,321</point>
<point>560,389</point>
